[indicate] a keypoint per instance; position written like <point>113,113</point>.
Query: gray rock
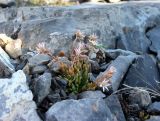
<point>42,87</point>
<point>154,108</point>
<point>153,36</point>
<point>143,73</point>
<point>5,64</point>
<point>154,118</point>
<point>61,82</point>
<point>115,107</point>
<point>7,3</point>
<point>114,53</point>
<point>16,99</point>
<point>39,59</point>
<point>50,24</point>
<point>39,69</point>
<point>79,110</point>
<point>54,97</point>
<point>121,64</point>
<point>95,68</point>
<point>140,97</point>
<point>91,94</point>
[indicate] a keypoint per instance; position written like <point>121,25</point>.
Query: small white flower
<point>105,85</point>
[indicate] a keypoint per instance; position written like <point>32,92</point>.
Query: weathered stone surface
<point>121,64</point>
<point>153,35</point>
<point>140,97</point>
<point>55,26</point>
<point>115,107</point>
<point>114,53</point>
<point>154,108</point>
<point>143,73</point>
<point>39,69</point>
<point>16,99</point>
<point>5,65</point>
<point>39,59</point>
<point>79,110</point>
<point>42,87</point>
<point>91,94</point>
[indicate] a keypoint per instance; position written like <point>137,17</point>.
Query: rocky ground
<point>40,45</point>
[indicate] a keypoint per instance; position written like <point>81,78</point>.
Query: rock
<point>153,36</point>
<point>7,3</point>
<point>63,94</point>
<point>91,77</point>
<point>14,48</point>
<point>72,96</point>
<point>114,53</point>
<point>4,40</point>
<point>55,65</point>
<point>121,65</point>
<point>5,65</point>
<point>42,87</point>
<point>115,107</point>
<point>91,94</point>
<point>140,97</point>
<point>137,77</point>
<point>39,69</point>
<point>154,118</point>
<point>50,24</point>
<point>16,99</point>
<point>61,82</point>
<point>104,66</point>
<point>39,59</point>
<point>21,65</point>
<point>95,68</point>
<point>54,97</point>
<point>79,110</point>
<point>154,108</point>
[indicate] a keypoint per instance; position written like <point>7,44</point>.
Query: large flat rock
<point>122,25</point>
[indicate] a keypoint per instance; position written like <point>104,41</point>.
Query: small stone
<point>103,67</point>
<point>95,68</point>
<point>26,69</point>
<point>92,56</point>
<point>61,82</point>
<point>14,48</point>
<point>21,65</point>
<point>63,94</point>
<point>39,59</point>
<point>42,87</point>
<point>154,108</point>
<point>91,94</point>
<point>140,97</point>
<point>54,97</point>
<point>39,69</point>
<point>4,39</point>
<point>72,96</point>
